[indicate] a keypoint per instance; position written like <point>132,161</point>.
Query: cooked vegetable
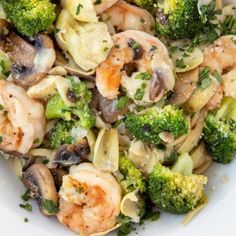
<point>174,192</point>
<point>219,132</point>
<point>133,178</point>
<point>61,134</point>
<point>30,16</point>
<point>80,97</point>
<point>180,19</point>
<point>149,124</point>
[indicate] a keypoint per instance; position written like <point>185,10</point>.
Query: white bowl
<point>217,218</point>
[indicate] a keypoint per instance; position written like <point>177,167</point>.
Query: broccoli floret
<point>61,134</point>
<point>148,125</point>
<point>81,97</point>
<point>174,192</point>
<point>30,16</point>
<point>133,178</point>
<point>178,19</point>
<point>219,132</point>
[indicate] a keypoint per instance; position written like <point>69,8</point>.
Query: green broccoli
<point>174,192</point>
<point>61,134</point>
<point>148,125</point>
<point>30,16</point>
<point>178,19</point>
<point>133,178</point>
<point>219,132</point>
<point>80,96</point>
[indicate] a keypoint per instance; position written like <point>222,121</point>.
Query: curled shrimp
<point>22,119</point>
<point>136,52</point>
<point>89,200</point>
<point>124,16</point>
<point>220,57</point>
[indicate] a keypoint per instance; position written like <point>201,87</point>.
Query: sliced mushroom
<point>57,175</point>
<point>109,110</point>
<point>31,60</point>
<point>185,85</point>
<point>71,154</point>
<point>38,179</point>
<point>157,88</point>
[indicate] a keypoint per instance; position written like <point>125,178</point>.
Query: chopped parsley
<point>217,76</point>
<point>153,48</point>
<point>50,206</point>
<point>122,102</point>
<point>26,207</point>
<point>186,55</point>
<point>56,30</point>
<point>180,63</point>
<point>134,44</point>
<point>26,196</point>
<point>108,18</point>
<point>125,229</point>
<point>173,49</point>
<point>78,9</point>
<point>3,69</point>
<point>126,226</point>
<point>105,49</point>
<point>143,76</point>
<point>142,20</point>
<point>151,215</point>
<point>37,140</point>
<point>1,139</point>
<point>204,78</point>
<point>26,220</point>
<point>140,92</point>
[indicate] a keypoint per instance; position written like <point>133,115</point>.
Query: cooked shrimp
<point>124,16</point>
<point>89,200</point>
<point>221,57</point>
<point>136,51</point>
<point>22,119</point>
<point>104,5</point>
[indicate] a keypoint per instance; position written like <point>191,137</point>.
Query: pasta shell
<point>44,89</point>
<point>106,150</point>
<point>77,38</point>
<point>144,157</point>
<point>129,206</point>
<point>201,97</point>
<point>185,60</point>
<point>49,86</point>
<point>201,159</point>
<point>194,136</point>
<point>81,10</point>
<point>185,84</point>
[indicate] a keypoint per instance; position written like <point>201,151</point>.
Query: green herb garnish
<point>50,206</point>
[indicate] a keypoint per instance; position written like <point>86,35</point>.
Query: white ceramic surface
<point>218,218</point>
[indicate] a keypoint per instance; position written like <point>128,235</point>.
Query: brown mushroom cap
<point>58,176</point>
<point>71,154</point>
<point>38,179</point>
<point>31,60</point>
